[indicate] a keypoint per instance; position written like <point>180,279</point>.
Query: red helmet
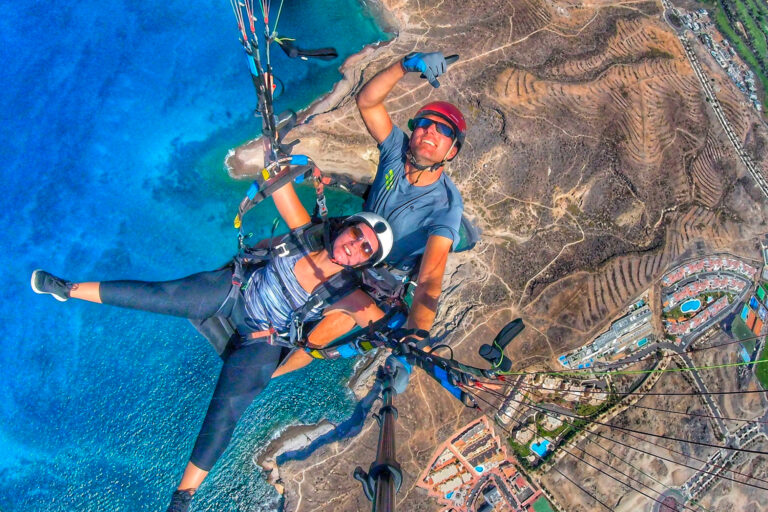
<point>450,113</point>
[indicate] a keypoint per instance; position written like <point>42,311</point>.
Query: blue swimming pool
<point>540,448</point>
<point>690,306</point>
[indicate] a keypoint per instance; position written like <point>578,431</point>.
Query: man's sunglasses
<point>425,122</point>
<point>360,237</point>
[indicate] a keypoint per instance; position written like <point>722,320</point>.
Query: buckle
<point>356,343</point>
<point>283,250</point>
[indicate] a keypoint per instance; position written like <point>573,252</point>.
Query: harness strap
<point>270,336</point>
<point>328,292</point>
<point>238,278</point>
<point>256,335</point>
<point>361,342</point>
<point>267,334</point>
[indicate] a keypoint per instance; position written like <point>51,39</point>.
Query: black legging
<point>247,369</point>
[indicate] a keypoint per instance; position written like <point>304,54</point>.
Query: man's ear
<point>452,153</point>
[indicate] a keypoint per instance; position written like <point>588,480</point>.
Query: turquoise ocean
<point>116,117</point>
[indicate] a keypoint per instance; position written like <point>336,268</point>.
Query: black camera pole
<point>384,477</point>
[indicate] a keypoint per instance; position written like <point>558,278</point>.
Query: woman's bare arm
<point>291,210</point>
<point>356,308</point>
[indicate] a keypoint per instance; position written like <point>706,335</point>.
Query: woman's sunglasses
<point>425,122</point>
<point>360,237</point>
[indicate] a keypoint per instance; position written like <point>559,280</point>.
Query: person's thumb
<point>431,78</point>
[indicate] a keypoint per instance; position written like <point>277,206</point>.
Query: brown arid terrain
<point>653,465</point>
<point>593,162</point>
<point>598,445</point>
<point>729,497</point>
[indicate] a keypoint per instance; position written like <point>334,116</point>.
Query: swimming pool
<point>540,448</point>
<point>690,306</point>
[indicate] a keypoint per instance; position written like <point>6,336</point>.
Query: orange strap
<point>261,334</point>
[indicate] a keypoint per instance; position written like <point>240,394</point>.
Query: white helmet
<point>383,231</point>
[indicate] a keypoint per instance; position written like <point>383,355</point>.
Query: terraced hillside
<point>592,163</point>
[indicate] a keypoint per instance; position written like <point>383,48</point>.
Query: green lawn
<point>542,505</point>
<point>753,27</point>
<point>520,450</point>
<point>761,368</point>
<point>589,410</point>
<point>740,330</point>
<point>761,15</point>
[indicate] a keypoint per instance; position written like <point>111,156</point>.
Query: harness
<point>388,286</point>
<point>218,329</point>
<point>298,242</point>
<point>385,286</point>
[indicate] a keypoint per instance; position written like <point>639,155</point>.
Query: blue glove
<point>401,372</point>
<point>431,65</point>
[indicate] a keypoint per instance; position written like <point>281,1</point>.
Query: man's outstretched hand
<point>401,372</point>
<point>431,65</point>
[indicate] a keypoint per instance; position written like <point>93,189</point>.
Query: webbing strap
<point>235,290</point>
<point>360,342</point>
<point>257,335</point>
<point>271,184</point>
<point>280,280</point>
<point>352,348</point>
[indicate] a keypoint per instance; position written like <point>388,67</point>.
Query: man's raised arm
<point>370,99</point>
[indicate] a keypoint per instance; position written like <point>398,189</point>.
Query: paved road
<point>710,94</point>
<point>701,388</point>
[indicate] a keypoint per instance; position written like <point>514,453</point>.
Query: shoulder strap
<point>331,291</point>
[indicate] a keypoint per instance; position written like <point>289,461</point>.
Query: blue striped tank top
<point>266,302</point>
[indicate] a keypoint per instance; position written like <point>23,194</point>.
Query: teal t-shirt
<point>415,213</point>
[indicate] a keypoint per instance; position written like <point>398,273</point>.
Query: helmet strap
<point>445,157</point>
<point>419,167</point>
<point>433,167</point>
